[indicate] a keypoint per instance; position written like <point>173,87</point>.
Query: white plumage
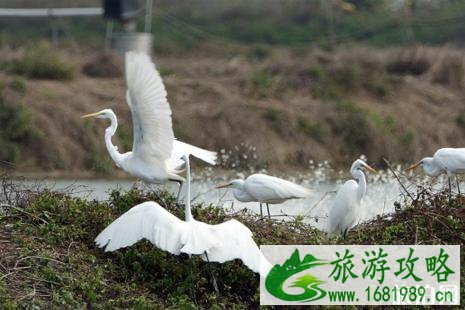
<point>219,243</point>
<point>266,189</point>
<point>446,160</point>
<point>345,210</point>
<point>156,155</point>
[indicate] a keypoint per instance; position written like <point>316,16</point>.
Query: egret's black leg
<point>458,183</point>
<point>261,212</point>
<point>191,271</point>
<point>179,192</point>
<point>215,284</point>
<point>268,209</point>
<point>345,233</point>
<point>450,187</point>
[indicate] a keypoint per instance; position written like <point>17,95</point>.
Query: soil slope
<point>278,108</point>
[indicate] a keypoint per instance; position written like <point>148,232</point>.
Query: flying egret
<point>345,209</point>
<point>266,189</point>
<point>156,154</point>
<point>446,160</point>
<point>214,243</point>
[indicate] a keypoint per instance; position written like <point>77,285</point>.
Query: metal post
<point>54,33</point>
<point>108,35</point>
<point>148,15</point>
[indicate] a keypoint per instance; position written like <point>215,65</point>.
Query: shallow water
<point>383,190</point>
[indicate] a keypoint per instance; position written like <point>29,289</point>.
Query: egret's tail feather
<point>182,148</point>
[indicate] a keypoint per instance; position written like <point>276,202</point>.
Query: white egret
<point>345,209</point>
<point>214,243</point>
<point>266,189</point>
<point>156,155</point>
<point>446,160</point>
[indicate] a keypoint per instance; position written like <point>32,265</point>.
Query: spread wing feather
<point>237,243</point>
<point>149,221</point>
<point>151,112</point>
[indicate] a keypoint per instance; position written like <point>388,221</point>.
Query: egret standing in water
<point>346,208</point>
<point>446,160</point>
<point>214,243</point>
<point>156,155</point>
<point>266,189</point>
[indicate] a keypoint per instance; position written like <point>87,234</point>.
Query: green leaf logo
<point>280,273</point>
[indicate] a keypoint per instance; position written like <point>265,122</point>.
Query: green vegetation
<point>52,261</point>
<point>407,138</point>
<point>460,119</point>
<point>264,84</point>
<point>17,129</point>
<point>40,63</point>
<point>315,130</point>
<point>352,124</point>
<point>18,85</point>
<point>51,239</point>
<point>271,114</point>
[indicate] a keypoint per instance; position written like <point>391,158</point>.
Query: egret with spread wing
<point>446,160</point>
<point>156,154</point>
<point>214,243</point>
<point>266,189</point>
<point>346,206</point>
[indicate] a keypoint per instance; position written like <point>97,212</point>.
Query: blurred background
<point>275,84</point>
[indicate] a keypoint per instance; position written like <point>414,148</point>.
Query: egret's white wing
<point>342,212</point>
<point>151,112</point>
<point>237,243</point>
<point>451,159</point>
<point>149,221</point>
<point>267,188</point>
<point>181,148</point>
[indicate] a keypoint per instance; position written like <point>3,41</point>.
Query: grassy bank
<point>311,105</point>
<point>48,258</point>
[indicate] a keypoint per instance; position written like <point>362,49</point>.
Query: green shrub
<point>18,85</point>
<point>17,129</point>
<point>271,114</point>
<point>352,124</point>
<point>345,77</point>
<point>264,84</point>
<point>63,228</point>
<point>51,250</point>
<point>460,119</point>
<point>259,52</point>
<point>407,138</point>
<point>317,131</point>
<point>41,63</point>
<point>377,88</point>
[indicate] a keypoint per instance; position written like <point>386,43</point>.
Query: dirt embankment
<point>279,108</point>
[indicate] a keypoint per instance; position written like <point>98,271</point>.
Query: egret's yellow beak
<point>223,186</point>
<point>371,169</point>
<point>90,115</point>
<point>413,166</point>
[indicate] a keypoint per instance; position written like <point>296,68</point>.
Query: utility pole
<point>327,8</point>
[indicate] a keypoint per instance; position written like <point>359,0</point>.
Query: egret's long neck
<point>109,133</point>
<point>362,184</point>
<point>188,191</point>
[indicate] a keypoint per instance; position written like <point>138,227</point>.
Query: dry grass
<point>221,102</point>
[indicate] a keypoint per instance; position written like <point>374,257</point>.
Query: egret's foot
<point>215,283</point>
<point>191,276</point>
<point>344,234</point>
